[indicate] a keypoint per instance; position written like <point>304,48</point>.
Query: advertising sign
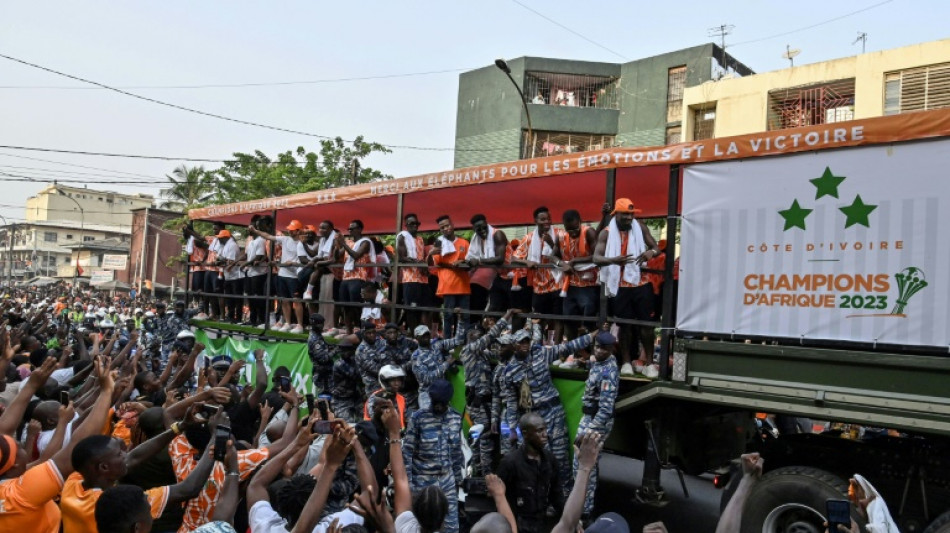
<point>101,276</point>
<point>850,245</point>
<point>114,262</point>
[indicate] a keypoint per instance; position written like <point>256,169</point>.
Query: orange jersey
<point>624,237</point>
<point>542,279</point>
<point>79,505</point>
<point>198,256</point>
<point>360,272</point>
<point>26,502</point>
<point>656,263</point>
<point>417,274</point>
<point>571,248</point>
<point>453,280</point>
<point>201,508</point>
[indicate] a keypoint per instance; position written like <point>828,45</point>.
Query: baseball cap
<point>223,233</point>
<point>420,330</point>
<point>605,339</point>
<point>317,318</point>
<point>522,335</point>
<point>311,228</point>
<point>506,339</point>
<point>608,523</point>
<point>8,449</point>
<point>441,391</point>
<point>294,225</point>
<point>624,205</point>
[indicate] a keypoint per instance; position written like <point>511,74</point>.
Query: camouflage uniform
<point>499,395</point>
<point>369,360</point>
<point>346,482</point>
<point>429,364</point>
<point>169,326</point>
<point>600,393</point>
<point>322,360</point>
<point>400,355</point>
<point>432,451</point>
<point>535,369</point>
<point>476,359</point>
<point>346,390</point>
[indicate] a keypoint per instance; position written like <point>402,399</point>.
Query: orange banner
<point>904,127</point>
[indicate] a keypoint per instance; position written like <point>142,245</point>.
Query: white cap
<point>138,310</point>
<point>149,314</point>
<point>106,323</point>
<point>112,309</point>
<point>420,330</point>
<point>185,334</point>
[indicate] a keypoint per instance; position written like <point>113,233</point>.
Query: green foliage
<point>254,176</point>
<point>189,187</point>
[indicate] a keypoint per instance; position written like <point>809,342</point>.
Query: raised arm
<point>93,423</point>
<point>185,371</point>
<point>402,498</point>
<point>587,458</point>
<point>227,503</point>
<point>338,446</point>
<point>191,486</point>
<point>550,353</point>
<point>260,380</point>
<point>14,412</point>
<point>66,413</point>
<point>731,518</point>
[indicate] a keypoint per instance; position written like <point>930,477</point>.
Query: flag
<point>78,268</point>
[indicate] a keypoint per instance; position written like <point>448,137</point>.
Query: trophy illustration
<point>909,282</point>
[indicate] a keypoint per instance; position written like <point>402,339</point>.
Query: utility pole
<point>721,31</point>
<point>863,37</point>
<point>155,261</point>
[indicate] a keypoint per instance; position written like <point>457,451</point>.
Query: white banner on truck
<point>850,245</point>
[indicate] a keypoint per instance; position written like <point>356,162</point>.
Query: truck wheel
<point>791,499</point>
<point>940,525</point>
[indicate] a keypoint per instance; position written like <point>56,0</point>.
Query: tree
<point>253,176</point>
<point>189,187</point>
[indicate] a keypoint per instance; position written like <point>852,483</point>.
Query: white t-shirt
<point>253,248</point>
<point>302,250</point>
<point>63,375</point>
<point>345,517</point>
<point>230,251</point>
<point>42,441</point>
<point>264,519</point>
<point>288,254</point>
<point>407,523</point>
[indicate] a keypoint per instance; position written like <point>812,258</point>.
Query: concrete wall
<point>742,103</point>
<point>169,246</point>
<point>98,207</point>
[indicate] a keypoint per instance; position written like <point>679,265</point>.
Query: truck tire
<point>791,499</point>
<point>940,525</point>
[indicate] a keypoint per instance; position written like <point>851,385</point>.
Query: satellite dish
<point>790,54</point>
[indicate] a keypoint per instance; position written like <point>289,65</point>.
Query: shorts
<point>548,303</point>
<point>350,291</point>
<point>286,287</point>
<point>582,301</point>
<point>633,303</point>
<point>415,294</point>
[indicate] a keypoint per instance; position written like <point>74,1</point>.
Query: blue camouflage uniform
<point>430,364</point>
<point>400,355</point>
<point>432,451</point>
<point>370,359</point>
<point>536,371</point>
<point>600,393</point>
<point>347,390</point>
<point>499,399</point>
<point>169,326</point>
<point>476,359</point>
<point>322,359</point>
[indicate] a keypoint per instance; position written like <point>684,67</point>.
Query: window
<point>810,105</point>
<point>704,123</point>
<point>674,134</point>
<point>572,90</point>
<point>50,236</point>
<point>69,236</point>
<point>547,143</point>
<point>676,85</point>
<point>917,89</point>
<point>87,238</point>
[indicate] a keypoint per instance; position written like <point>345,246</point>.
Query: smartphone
<point>323,427</point>
<point>64,397</point>
<point>285,383</point>
<point>839,512</point>
<point>324,409</point>
<point>221,437</point>
<point>309,398</point>
<point>208,411</point>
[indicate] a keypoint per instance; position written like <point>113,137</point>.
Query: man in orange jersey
<point>448,253</point>
<point>582,295</point>
<point>413,281</point>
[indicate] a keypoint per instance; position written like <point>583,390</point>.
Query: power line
<point>75,165</point>
<point>879,4</point>
<point>243,85</point>
<point>109,154</point>
<point>222,117</point>
<point>38,170</point>
<point>563,27</point>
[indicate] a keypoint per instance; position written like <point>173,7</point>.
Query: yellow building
<point>911,78</point>
<point>79,204</point>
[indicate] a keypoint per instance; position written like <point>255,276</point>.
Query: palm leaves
<point>188,187</point>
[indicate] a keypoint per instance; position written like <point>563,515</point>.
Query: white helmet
<point>149,314</point>
<point>389,372</point>
<point>106,324</point>
<point>138,310</point>
<point>185,334</point>
<point>112,309</point>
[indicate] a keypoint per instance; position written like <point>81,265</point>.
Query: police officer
<point>530,388</point>
<point>319,350</point>
<point>398,351</point>
<point>370,357</point>
<point>391,380</point>
<point>429,362</point>
<point>432,449</point>
<point>600,393</point>
<point>347,386</point>
<point>499,393</point>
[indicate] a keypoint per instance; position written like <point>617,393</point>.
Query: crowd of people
<point>554,271</point>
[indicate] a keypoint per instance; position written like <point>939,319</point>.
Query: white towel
<point>879,517</point>
<point>482,249</point>
<point>350,264</point>
<point>610,275</point>
<point>373,313</point>
<point>326,245</point>
<point>190,247</point>
<point>410,243</point>
<point>447,247</point>
<point>537,249</point>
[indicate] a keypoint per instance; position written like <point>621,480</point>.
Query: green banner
<point>294,356</point>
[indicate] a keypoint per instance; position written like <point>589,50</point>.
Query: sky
<point>145,47</point>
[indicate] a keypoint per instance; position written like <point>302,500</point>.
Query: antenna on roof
<point>790,54</point>
<point>721,31</point>
<point>863,37</point>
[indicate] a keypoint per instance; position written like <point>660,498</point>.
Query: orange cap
<point>624,205</point>
<point>294,225</point>
<point>223,233</point>
<point>310,227</point>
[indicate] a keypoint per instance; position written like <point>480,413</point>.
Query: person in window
<point>538,99</point>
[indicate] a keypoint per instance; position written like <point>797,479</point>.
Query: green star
<point>857,212</point>
<point>827,184</point>
<point>794,216</point>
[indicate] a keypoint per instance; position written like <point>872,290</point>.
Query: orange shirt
<point>571,248</point>
<point>657,263</point>
<point>201,508</point>
<point>419,274</point>
<point>79,505</point>
<point>26,502</point>
<point>624,237</point>
<point>453,280</point>
<point>198,256</point>
<point>542,279</point>
<point>360,272</point>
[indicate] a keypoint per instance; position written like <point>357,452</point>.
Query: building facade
<point>153,248</point>
<point>900,80</point>
<point>575,106</point>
